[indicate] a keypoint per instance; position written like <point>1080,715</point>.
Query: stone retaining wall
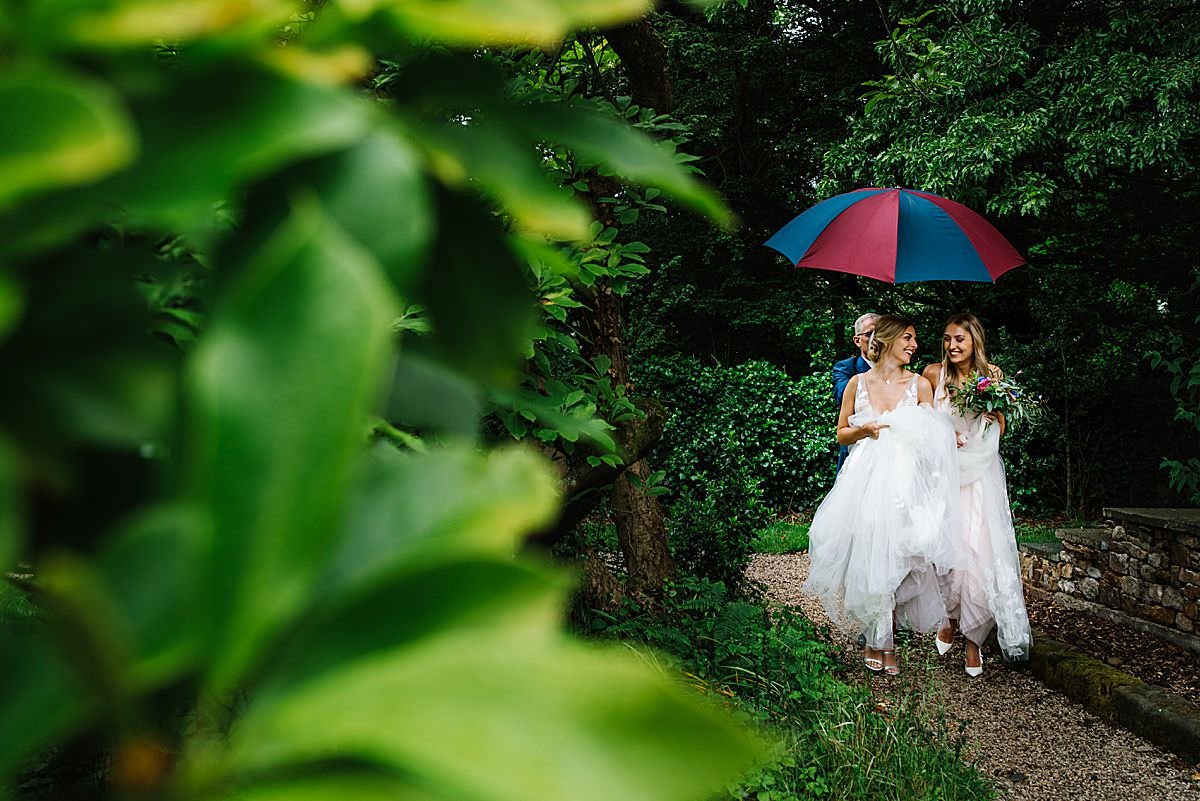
<point>1143,568</point>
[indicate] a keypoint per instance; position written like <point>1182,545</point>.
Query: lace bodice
<point>864,411</point>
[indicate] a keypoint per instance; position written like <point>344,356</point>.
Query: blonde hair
<point>979,361</point>
<point>888,328</point>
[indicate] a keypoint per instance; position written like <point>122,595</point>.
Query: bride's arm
<point>846,433</point>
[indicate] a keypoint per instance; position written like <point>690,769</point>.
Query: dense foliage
<point>1074,125</point>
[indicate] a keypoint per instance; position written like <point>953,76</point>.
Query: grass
<point>785,535</point>
<point>835,739</point>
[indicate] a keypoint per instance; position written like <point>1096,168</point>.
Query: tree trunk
<point>642,532</point>
<point>641,528</point>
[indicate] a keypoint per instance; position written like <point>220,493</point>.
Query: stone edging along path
<point>1162,717</point>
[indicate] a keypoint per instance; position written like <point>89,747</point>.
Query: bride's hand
<point>873,428</point>
<point>960,439</point>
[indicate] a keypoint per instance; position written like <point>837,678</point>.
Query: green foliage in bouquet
<point>993,394</point>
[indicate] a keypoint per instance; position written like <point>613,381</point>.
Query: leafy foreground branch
<point>772,667</point>
<point>238,594</point>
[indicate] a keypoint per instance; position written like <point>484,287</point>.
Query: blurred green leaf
<point>506,167</point>
<point>375,191</point>
<point>484,22</point>
<point>360,785</point>
<point>451,504</point>
<point>152,568</point>
<point>12,524</point>
<point>428,396</point>
<point>57,130</point>
<point>281,385</point>
<point>39,697</point>
<point>109,24</point>
<point>515,714</point>
<point>475,291</point>
<point>406,605</point>
<point>217,127</point>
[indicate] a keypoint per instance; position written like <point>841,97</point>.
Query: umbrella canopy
<point>896,235</point>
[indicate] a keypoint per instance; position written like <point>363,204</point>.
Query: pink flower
<point>983,383</point>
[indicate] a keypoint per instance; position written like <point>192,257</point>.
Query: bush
<point>752,414</point>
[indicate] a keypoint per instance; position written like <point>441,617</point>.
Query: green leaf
<point>472,22</point>
<point>375,191</point>
<point>280,388</point>
<point>217,128</point>
<point>111,24</point>
<point>427,395</point>
<point>336,785</point>
<point>39,698</point>
<point>505,166</point>
<point>410,603</point>
<point>411,510</point>
<point>630,153</point>
<point>476,293</point>
<point>58,130</point>
<point>509,710</point>
<point>12,522</point>
<point>152,569</point>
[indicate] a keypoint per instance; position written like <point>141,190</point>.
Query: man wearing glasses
<point>846,369</point>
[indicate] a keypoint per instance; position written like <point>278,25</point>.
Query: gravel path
<point>1036,744</point>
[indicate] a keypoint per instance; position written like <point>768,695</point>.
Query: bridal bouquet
<point>982,394</point>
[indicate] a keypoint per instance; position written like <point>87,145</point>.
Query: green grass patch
<point>786,535</point>
<point>834,741</point>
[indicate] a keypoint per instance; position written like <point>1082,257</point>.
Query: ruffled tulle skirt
<point>884,533</point>
<point>985,591</point>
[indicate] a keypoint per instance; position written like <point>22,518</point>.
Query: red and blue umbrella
<point>898,236</point>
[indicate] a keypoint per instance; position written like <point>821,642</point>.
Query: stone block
<point>1184,623</point>
<point>1066,571</point>
<point>1130,586</point>
<point>1156,559</point>
<point>1067,586</point>
<point>1172,598</point>
<point>1159,614</point>
<point>1161,717</point>
<point>1135,552</point>
<point>1089,588</point>
<point>1093,572</point>
<point>1153,594</point>
<point>1118,563</point>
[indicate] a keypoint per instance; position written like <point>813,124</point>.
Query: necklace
<point>893,378</point>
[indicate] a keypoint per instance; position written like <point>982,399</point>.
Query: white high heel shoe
<point>975,672</point>
<point>943,648</point>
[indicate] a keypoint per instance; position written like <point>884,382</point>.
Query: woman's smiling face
<point>958,345</point>
<point>905,346</point>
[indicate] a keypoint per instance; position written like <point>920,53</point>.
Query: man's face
<point>862,339</point>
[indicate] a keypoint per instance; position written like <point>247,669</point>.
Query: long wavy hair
<point>888,329</point>
<point>979,361</point>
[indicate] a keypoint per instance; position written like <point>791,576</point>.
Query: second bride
<point>882,536</point>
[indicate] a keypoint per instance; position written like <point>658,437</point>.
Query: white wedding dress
<point>985,591</point>
<point>877,536</point>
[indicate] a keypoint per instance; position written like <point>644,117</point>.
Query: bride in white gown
<point>985,592</point>
<point>877,536</point>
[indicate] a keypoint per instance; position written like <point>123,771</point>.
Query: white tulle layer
<point>877,536</point>
<point>985,590</point>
